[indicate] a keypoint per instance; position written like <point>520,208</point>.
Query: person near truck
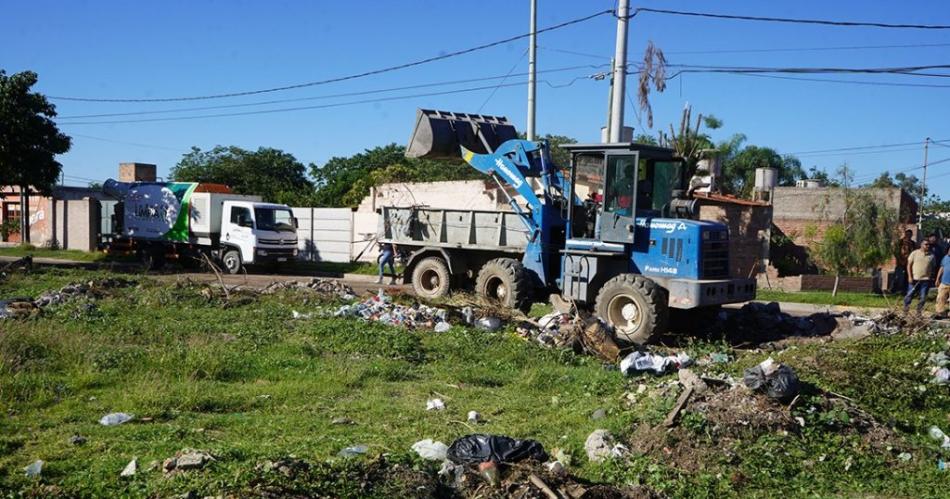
<point>943,286</point>
<point>387,256</point>
<point>905,246</point>
<point>920,266</point>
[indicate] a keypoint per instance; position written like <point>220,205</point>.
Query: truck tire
<point>505,280</point>
<point>431,278</point>
<point>634,306</point>
<point>231,261</point>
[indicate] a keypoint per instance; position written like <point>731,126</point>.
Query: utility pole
<point>923,191</point>
<point>620,73</point>
<point>532,69</point>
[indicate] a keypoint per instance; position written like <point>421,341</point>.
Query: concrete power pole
<point>532,69</point>
<point>620,74</point>
<point>923,190</point>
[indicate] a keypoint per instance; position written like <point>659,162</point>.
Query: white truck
<point>185,221</point>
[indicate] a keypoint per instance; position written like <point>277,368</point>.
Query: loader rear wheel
<point>507,281</point>
<point>634,306</point>
<point>431,278</point>
<point>232,261</point>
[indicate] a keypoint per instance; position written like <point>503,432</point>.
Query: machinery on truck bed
<point>188,221</point>
<point>630,247</point>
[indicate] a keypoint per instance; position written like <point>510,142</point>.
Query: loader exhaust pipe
<point>442,134</point>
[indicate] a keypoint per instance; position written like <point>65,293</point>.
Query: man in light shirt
<point>920,266</point>
<point>943,286</point>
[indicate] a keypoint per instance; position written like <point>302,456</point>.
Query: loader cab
<point>618,183</point>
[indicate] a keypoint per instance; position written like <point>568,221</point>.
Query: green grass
<point>247,384</point>
<point>28,250</point>
<point>824,298</point>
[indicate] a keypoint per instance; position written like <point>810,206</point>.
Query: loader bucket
<point>441,134</point>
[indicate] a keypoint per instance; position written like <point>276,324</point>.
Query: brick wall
<point>748,232</point>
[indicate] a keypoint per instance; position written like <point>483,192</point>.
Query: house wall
<point>748,232</point>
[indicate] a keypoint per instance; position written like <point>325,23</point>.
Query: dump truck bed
<point>448,228</point>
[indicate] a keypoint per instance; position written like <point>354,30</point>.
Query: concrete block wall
<point>748,233</point>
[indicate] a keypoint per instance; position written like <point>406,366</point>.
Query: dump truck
<point>614,231</point>
<point>189,221</point>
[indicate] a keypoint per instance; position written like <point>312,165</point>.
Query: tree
<point>689,143</point>
<point>739,163</point>
<point>345,181</point>
<point>275,175</point>
<point>860,238</point>
<point>29,141</point>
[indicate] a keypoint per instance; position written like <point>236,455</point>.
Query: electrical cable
<point>150,146</point>
<point>321,97</point>
<point>342,78</point>
<point>789,19</point>
<point>302,108</point>
<point>850,82</point>
<point>857,148</point>
<point>495,90</point>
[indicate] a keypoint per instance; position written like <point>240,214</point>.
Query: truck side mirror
<point>296,223</point>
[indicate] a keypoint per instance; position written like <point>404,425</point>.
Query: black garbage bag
<point>479,448</point>
<point>780,384</point>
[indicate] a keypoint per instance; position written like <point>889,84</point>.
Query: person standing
<point>920,265</point>
<point>905,246</point>
<point>943,286</point>
<point>387,256</point>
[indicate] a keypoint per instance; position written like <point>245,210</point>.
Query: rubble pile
<point>381,308</point>
<point>18,308</point>
<point>892,322</point>
<point>322,286</point>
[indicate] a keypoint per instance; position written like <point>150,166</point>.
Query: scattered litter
<point>480,448</point>
<point>322,286</point>
<point>599,445</point>
<point>115,418</point>
<point>442,327</point>
<point>940,367</point>
<point>130,468</point>
<point>941,465</point>
<point>942,376</point>
<point>34,469</point>
<point>938,435</point>
<point>19,308</point>
<point>187,459</point>
<point>297,315</point>
<point>776,380</point>
<point>435,405</point>
<point>354,451</point>
<point>639,362</point>
<point>469,315</point>
<point>342,421</point>
<point>380,308</point>
<point>430,450</point>
<point>490,323</point>
<point>288,466</point>
<point>489,471</point>
<point>77,439</point>
<point>904,456</point>
<point>719,358</point>
<point>474,417</point>
<point>555,467</point>
<point>691,380</point>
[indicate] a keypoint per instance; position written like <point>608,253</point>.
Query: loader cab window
<point>621,178</point>
<point>241,217</point>
<point>656,182</point>
<point>588,183</point>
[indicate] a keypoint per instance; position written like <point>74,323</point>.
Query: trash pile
<point>582,334</point>
<point>939,363</point>
<point>380,308</point>
<point>757,322</point>
<point>644,362</point>
<point>777,381</point>
<point>322,286</point>
<point>19,308</point>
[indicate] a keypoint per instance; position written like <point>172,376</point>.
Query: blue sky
<point>178,48</point>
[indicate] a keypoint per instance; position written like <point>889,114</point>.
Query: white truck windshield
<point>275,219</point>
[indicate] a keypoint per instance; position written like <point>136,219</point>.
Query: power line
<point>343,78</point>
<point>908,70</point>
<point>857,153</point>
<point>805,49</point>
<point>850,82</point>
<point>856,148</point>
<point>495,90</point>
<point>150,146</point>
<point>302,108</point>
<point>320,97</point>
<point>790,20</point>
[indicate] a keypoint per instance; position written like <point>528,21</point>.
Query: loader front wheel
<point>634,306</point>
<point>431,278</point>
<point>507,281</point>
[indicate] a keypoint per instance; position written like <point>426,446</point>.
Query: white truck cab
<point>255,233</point>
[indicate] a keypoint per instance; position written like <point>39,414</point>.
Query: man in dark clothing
<point>905,246</point>
<point>387,256</point>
